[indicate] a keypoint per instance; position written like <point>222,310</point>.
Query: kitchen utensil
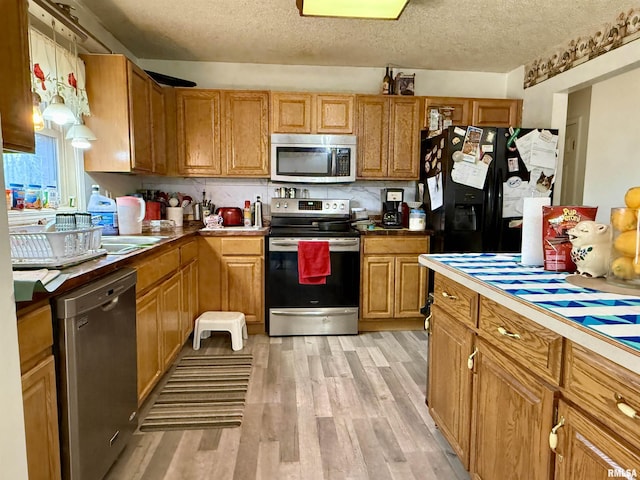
<point>176,214</point>
<point>335,226</point>
<point>231,216</point>
<point>131,211</point>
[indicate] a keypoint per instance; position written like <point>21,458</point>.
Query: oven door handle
<point>332,244</point>
<point>309,314</point>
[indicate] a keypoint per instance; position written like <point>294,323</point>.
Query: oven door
<point>295,309</point>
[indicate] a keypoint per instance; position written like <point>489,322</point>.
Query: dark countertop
<point>393,232</point>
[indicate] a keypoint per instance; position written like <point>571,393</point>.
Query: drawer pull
<point>624,407</point>
<point>553,436</point>
<point>504,332</point>
<point>449,296</point>
<point>427,323</point>
<point>470,359</point>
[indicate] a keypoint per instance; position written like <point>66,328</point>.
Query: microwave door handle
<point>334,161</point>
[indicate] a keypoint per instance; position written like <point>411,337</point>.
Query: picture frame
<point>405,84</point>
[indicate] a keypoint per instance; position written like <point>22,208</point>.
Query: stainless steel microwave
<point>306,158</point>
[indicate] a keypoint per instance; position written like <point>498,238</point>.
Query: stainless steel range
<point>294,308</point>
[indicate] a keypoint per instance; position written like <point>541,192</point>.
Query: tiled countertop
<point>608,324</point>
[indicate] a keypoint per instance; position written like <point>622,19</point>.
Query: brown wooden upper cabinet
<point>493,112</point>
<point>209,146</point>
<point>15,83</point>
<point>125,116</point>
<point>388,130</point>
<point>311,113</point>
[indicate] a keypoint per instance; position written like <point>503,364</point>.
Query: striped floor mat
<point>204,391</point>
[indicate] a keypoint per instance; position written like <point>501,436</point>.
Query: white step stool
<point>232,322</point>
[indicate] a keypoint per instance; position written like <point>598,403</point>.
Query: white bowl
<point>414,204</point>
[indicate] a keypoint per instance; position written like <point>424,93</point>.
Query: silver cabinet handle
<point>506,333</point>
<point>449,296</point>
<point>470,359</point>
<point>553,437</point>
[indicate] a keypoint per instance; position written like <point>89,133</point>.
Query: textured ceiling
<point>475,35</point>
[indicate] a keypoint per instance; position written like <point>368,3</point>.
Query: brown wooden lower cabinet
<point>512,416</point>
<point>41,421</point>
<point>450,379</point>
<point>190,312</point>
<point>171,312</point>
<point>588,451</point>
<point>148,334</point>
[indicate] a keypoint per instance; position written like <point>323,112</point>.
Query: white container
<point>417,220</point>
<point>103,212</point>
<point>131,212</point>
<point>176,214</point>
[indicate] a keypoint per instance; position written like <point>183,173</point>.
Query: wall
<point>13,458</point>
<point>327,79</point>
<point>233,192</point>
<point>613,155</point>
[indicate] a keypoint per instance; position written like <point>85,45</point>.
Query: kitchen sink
<point>120,248</point>
<point>131,240</point>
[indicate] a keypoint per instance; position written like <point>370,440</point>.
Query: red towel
<point>314,263</point>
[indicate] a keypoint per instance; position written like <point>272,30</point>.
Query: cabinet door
<point>378,275</point>
<point>588,451</point>
<point>404,138</point>
<point>198,132</point>
<point>449,390</point>
<point>41,421</point>
<point>512,417</point>
<point>189,274</point>
<point>494,112</point>
<point>159,146</point>
<point>15,83</point>
<point>410,287</point>
<point>334,113</point>
<point>459,109</point>
<point>242,286</point>
<point>290,112</point>
<point>140,118</point>
<point>149,340</point>
<point>373,136</point>
<point>171,292</point>
<point>246,135</point>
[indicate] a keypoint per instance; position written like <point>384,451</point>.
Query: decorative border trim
<point>624,29</point>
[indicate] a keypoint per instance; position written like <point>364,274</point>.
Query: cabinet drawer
<point>188,252</point>
<point>152,270</point>
<point>242,246</point>
<point>598,385</point>
<point>457,300</point>
<point>524,340</point>
<point>390,246</point>
<point>35,335</point>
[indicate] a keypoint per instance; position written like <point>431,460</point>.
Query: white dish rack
<point>33,247</point>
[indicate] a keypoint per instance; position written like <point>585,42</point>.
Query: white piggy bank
<point>591,245</point>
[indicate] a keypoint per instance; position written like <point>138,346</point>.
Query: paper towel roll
<point>176,214</point>
<point>532,230</point>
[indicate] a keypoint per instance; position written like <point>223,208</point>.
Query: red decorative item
<point>72,81</point>
<point>39,74</point>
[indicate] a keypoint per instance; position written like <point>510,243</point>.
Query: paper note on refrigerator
<point>434,184</point>
<point>524,144</point>
<point>514,191</point>
<point>471,174</point>
<point>543,150</point>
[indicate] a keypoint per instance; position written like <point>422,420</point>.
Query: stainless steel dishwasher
<point>98,373</point>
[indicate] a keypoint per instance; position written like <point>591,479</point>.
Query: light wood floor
<point>326,407</point>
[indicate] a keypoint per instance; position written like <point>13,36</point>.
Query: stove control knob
<point>327,206</point>
<point>286,204</point>
<point>342,206</point>
<point>277,204</point>
<point>334,206</point>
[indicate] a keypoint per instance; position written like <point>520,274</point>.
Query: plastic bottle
<point>247,213</point>
<point>258,213</point>
<point>50,197</point>
<point>103,211</point>
<point>417,219</point>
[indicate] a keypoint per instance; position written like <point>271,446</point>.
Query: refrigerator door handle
<point>489,221</point>
<point>499,202</point>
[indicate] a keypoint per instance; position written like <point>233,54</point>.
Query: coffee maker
<point>391,201</point>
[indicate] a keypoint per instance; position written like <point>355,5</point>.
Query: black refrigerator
<point>470,176</point>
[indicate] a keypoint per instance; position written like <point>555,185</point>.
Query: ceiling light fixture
<point>80,135</point>
<point>373,9</point>
<point>57,111</point>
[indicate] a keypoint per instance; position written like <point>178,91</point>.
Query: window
<point>54,163</point>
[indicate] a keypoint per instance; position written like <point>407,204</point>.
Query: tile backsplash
<point>232,192</point>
